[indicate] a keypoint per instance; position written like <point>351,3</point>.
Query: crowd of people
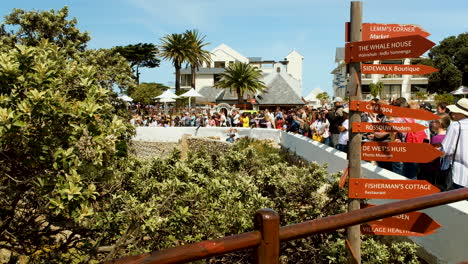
<point>329,125</point>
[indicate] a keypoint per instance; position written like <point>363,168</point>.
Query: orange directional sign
<point>417,222</point>
<point>389,189</point>
<point>372,31</point>
<point>397,69</point>
<point>390,110</point>
<point>396,151</point>
<point>383,49</point>
<point>389,231</point>
<point>363,127</point>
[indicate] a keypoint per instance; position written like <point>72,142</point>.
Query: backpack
<point>415,137</point>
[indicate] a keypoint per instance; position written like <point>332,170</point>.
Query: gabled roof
<point>279,93</point>
<point>230,51</point>
<point>294,52</point>
<point>210,94</point>
<point>312,95</point>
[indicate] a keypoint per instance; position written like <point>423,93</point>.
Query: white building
<point>395,85</point>
<point>283,78</point>
<point>311,98</point>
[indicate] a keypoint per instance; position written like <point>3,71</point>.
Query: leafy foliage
<point>176,48</point>
<point>451,58</point>
<point>139,55</point>
<point>145,92</point>
<point>376,88</point>
<point>421,96</point>
<point>170,202</point>
<point>444,98</point>
<point>242,78</point>
<point>198,55</point>
<point>31,28</point>
<point>58,145</point>
<point>323,98</point>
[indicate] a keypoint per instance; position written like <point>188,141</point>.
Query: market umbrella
<point>167,97</point>
<point>461,90</point>
<point>191,93</point>
<point>125,98</point>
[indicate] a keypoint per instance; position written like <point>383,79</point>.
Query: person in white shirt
<point>235,118</point>
<point>455,144</point>
<point>343,137</point>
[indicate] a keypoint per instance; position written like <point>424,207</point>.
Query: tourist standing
<point>455,144</point>
<point>343,137</point>
<point>335,117</point>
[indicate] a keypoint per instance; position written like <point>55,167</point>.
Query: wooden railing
<point>268,235</point>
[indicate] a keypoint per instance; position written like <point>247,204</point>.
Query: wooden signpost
<point>417,222</point>
<point>383,49</point>
<point>390,110</point>
<point>397,69</point>
<point>402,152</point>
<point>369,42</point>
<point>372,31</point>
<point>363,127</point>
<point>389,189</point>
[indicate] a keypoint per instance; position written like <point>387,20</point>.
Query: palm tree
<point>323,98</point>
<point>175,47</point>
<point>197,55</point>
<point>242,78</point>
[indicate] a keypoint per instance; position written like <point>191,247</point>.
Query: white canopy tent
<point>125,98</point>
<point>191,93</point>
<point>167,97</point>
<point>461,90</point>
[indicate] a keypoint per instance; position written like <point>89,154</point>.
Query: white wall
<point>174,134</point>
<point>295,64</point>
<point>448,245</point>
<point>204,80</point>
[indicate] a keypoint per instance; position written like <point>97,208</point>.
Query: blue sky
<point>256,28</point>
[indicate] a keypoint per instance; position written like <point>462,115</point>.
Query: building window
<point>391,91</point>
<point>216,78</point>
<point>220,64</point>
<point>186,80</point>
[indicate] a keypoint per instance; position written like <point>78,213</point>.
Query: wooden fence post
<point>267,222</point>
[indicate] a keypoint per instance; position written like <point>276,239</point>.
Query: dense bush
<point>170,202</point>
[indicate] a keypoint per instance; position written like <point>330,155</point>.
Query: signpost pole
<point>354,150</point>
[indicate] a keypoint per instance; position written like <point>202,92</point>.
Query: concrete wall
<point>173,134</point>
<point>448,245</point>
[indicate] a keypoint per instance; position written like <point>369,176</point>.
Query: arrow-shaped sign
<point>418,69</point>
<point>396,151</point>
<point>390,110</point>
<point>389,189</point>
<point>389,231</point>
<point>361,127</point>
<point>417,222</point>
<point>384,49</point>
<point>372,31</point>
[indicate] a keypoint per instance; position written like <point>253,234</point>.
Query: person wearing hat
<point>455,144</point>
<point>343,137</point>
<point>335,118</point>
